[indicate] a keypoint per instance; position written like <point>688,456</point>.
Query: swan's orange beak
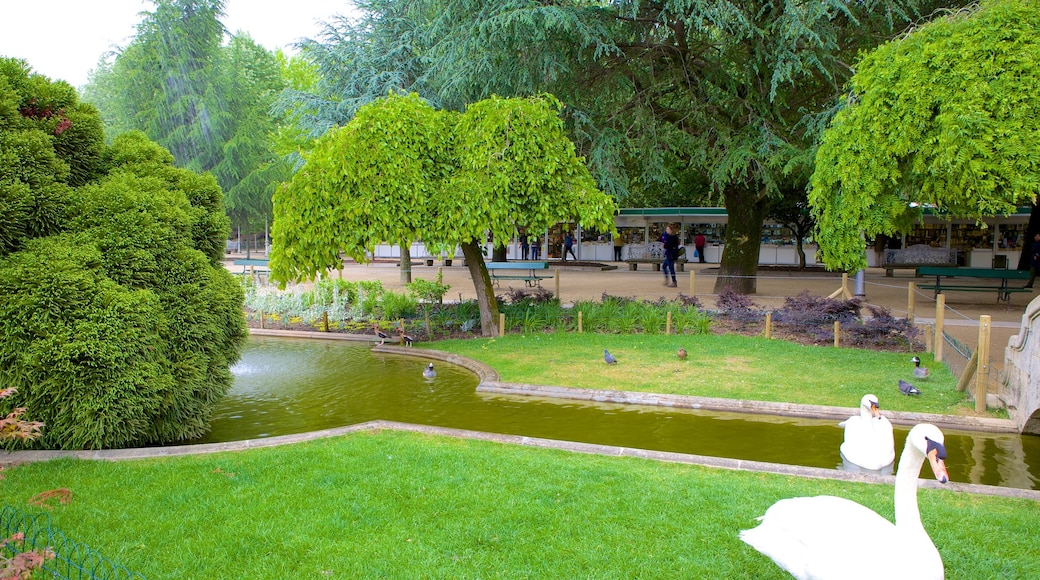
<point>875,410</point>
<point>938,466</point>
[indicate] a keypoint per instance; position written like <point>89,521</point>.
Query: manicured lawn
<point>726,366</point>
<point>405,505</point>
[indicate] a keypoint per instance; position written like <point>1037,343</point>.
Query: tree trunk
<point>406,262</point>
<point>485,291</point>
<point>739,264</point>
<point>498,254</point>
<point>801,252</point>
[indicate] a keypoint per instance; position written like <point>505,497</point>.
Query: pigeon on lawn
<point>681,353</point>
<point>920,372</point>
<point>908,389</point>
<point>428,372</point>
<point>609,358</point>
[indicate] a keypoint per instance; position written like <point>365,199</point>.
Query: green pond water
<point>284,386</point>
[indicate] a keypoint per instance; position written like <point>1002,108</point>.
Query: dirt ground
<point>577,282</point>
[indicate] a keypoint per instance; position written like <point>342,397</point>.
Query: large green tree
<point>119,320</point>
<point>401,168</point>
<point>733,90</point>
<point>946,116</point>
<point>207,102</point>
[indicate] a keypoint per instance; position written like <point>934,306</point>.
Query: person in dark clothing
<point>568,247</point>
<point>1034,261</point>
<point>671,252</point>
<point>699,242</point>
<point>525,246</point>
<point>619,243</point>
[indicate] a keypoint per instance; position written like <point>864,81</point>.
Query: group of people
<point>530,247</point>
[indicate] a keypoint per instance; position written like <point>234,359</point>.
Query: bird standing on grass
<point>406,340</point>
<point>609,358</point>
<point>681,353</point>
<point>428,372</point>
<point>908,389</point>
<point>920,372</point>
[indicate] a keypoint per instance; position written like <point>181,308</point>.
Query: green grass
<point>726,366</point>
<point>405,505</point>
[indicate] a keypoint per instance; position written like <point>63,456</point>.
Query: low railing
<point>72,560</point>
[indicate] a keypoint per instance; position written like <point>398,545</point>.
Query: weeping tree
<point>944,117</point>
<point>401,168</point>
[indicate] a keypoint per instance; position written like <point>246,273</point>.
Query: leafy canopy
<point>946,117</point>
<point>401,169</point>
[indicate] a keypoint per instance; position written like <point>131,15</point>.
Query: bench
<point>652,254</point>
<point>251,264</point>
<point>516,271</point>
<point>1004,290</point>
<point>916,256</point>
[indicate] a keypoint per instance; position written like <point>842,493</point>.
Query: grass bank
<point>405,505</point>
<point>727,366</point>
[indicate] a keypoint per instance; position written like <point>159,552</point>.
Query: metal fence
<point>72,560</point>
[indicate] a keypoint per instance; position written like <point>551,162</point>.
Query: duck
<point>405,339</point>
<point>428,372</point>
<point>379,332</point>
<point>920,372</point>
<point>609,358</point>
<point>826,537</point>
<point>681,353</point>
<point>868,440</point>
<point>908,389</point>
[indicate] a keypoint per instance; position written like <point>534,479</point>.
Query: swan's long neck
<point>908,516</point>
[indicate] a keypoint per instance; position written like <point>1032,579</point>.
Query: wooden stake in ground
<point>982,380</point>
<point>693,276</point>
<point>911,291</point>
<point>940,320</point>
<point>844,290</point>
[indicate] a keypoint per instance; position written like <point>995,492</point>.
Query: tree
<point>792,211</point>
<point>401,168</point>
<point>944,117</point>
<point>208,104</point>
<point>119,320</point>
<point>734,90</point>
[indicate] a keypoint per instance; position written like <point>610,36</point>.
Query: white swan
<point>832,537</point>
<point>868,443</point>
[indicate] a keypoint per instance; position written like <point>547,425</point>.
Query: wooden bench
<point>515,271</point>
<point>917,256</point>
<point>652,254</point>
<point>1004,290</point>
<point>633,263</point>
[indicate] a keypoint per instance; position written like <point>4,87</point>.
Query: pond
<point>284,386</point>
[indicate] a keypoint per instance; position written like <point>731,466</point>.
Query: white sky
<point>64,39</point>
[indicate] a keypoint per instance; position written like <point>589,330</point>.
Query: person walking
<point>1034,261</point>
<point>671,252</point>
<point>699,242</point>
<point>619,243</point>
<point>568,247</point>
<point>536,247</point>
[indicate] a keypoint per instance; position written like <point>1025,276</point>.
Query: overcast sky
<point>64,39</point>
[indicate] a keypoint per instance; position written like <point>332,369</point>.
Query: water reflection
<point>285,386</point>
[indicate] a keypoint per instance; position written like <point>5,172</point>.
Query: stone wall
<point>1022,371</point>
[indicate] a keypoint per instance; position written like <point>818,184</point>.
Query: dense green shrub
<point>119,321</point>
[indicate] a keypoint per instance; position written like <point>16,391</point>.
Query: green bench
<point>515,271</point>
<point>1004,290</point>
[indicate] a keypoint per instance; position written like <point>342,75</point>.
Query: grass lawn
<point>725,366</point>
<point>405,505</point>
